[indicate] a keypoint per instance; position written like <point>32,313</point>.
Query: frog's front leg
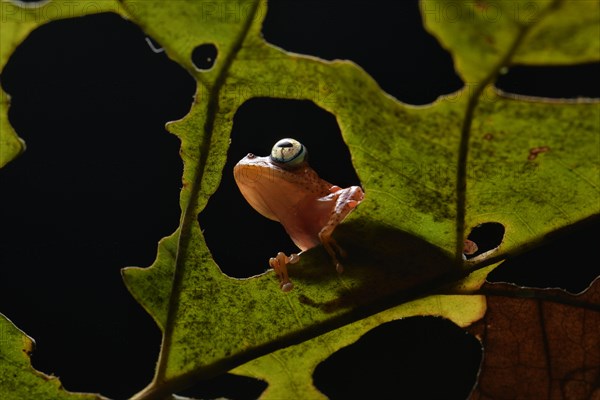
<point>345,201</point>
<point>279,264</point>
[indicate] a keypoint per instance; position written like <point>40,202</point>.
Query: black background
<point>98,186</point>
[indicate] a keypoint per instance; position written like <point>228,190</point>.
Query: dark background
<point>98,186</point>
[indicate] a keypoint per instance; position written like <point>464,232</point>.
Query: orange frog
<point>284,188</point>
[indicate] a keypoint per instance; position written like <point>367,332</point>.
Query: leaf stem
<point>461,178</point>
<point>557,296</point>
<point>156,390</point>
<point>507,289</point>
<point>465,133</point>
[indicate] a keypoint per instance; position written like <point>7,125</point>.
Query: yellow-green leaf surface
<point>485,35</point>
<point>18,379</point>
<point>428,172</point>
<point>289,371</point>
<point>403,235</point>
<point>529,193</point>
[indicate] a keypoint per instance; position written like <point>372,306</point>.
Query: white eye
<point>289,152</point>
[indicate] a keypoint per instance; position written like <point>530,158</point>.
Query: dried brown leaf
<point>539,344</point>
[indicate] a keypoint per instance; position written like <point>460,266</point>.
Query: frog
<point>284,188</point>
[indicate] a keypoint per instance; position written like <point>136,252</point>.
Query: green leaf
<point>485,36</point>
<point>18,379</point>
<point>531,193</point>
<point>404,235</point>
<point>205,316</point>
<point>289,371</point>
<point>483,46</point>
<point>429,174</point>
<point>10,144</point>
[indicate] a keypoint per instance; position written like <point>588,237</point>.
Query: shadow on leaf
<point>383,264</point>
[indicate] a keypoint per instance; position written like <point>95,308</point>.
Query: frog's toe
<point>352,204</point>
<point>274,263</point>
<point>279,265</point>
<point>332,248</point>
<point>337,248</point>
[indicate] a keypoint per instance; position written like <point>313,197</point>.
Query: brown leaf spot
<point>534,151</point>
<point>481,5</point>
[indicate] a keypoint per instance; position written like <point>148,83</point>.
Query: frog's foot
<point>333,249</point>
<point>346,200</point>
<point>279,264</point>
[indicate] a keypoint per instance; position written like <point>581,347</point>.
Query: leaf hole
<point>561,261</point>
<point>486,237</point>
<point>239,238</point>
<point>414,69</point>
<point>93,115</point>
<point>426,355</point>
<point>560,82</point>
<point>227,386</point>
<point>204,56</point>
<point>30,3</point>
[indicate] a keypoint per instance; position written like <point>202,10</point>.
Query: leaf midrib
<point>463,152</point>
<point>190,210</point>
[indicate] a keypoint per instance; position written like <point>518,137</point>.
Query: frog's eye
<point>289,152</point>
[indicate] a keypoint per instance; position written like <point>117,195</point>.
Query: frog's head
<point>275,183</point>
